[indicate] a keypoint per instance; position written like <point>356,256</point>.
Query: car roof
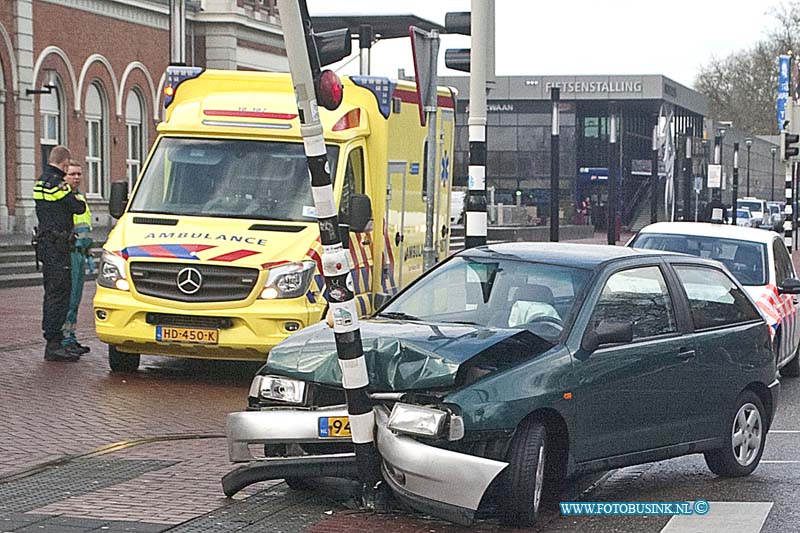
<point>706,229</point>
<point>566,254</point>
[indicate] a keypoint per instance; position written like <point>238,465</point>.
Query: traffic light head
<point>790,146</point>
<point>457,59</point>
<point>333,45</point>
<point>457,22</point>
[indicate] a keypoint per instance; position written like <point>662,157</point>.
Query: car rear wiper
<point>398,315</point>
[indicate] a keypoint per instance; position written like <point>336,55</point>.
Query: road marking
<point>742,517</point>
<point>779,462</point>
<point>784,430</point>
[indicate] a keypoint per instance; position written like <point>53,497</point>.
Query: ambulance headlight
<point>278,389</point>
<point>111,272</point>
<point>289,281</point>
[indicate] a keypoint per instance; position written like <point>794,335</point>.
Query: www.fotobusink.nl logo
<point>189,280</point>
<point>699,507</point>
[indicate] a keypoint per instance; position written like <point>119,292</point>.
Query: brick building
<point>89,74</point>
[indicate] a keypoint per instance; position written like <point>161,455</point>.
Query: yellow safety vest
<point>82,223</point>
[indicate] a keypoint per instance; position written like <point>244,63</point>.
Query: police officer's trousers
<point>55,258</point>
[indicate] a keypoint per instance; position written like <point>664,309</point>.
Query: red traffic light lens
<point>330,90</point>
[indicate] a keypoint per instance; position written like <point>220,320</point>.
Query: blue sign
<point>783,89</point>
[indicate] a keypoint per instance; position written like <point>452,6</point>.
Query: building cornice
<point>135,11</point>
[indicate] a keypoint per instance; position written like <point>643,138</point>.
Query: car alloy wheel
<point>747,434</point>
<point>523,478</point>
<point>744,439</point>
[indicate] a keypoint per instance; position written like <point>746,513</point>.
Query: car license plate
<point>193,335</point>
<point>334,426</point>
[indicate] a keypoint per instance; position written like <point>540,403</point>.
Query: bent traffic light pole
<point>298,35</point>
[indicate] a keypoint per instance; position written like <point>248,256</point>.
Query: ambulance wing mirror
<point>360,213</point>
<point>119,198</point>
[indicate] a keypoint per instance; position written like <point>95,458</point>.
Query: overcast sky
<point>669,37</point>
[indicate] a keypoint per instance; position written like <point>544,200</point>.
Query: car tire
<point>524,476</point>
<point>123,362</point>
<point>748,420</point>
<point>792,368</point>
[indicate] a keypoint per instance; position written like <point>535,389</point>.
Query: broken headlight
<point>278,389</point>
<point>425,422</point>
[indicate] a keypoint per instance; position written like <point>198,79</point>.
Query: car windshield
<point>742,213</point>
<point>752,206</point>
<point>746,260</point>
<point>775,209</point>
<point>228,178</point>
<point>493,292</point>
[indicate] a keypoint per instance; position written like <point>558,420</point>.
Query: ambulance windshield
<point>228,178</point>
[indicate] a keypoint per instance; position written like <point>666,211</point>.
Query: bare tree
<point>743,87</point>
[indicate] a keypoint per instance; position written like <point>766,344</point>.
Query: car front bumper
<point>441,482</point>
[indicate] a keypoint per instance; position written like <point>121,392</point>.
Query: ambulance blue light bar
<point>175,76</point>
<point>382,88</point>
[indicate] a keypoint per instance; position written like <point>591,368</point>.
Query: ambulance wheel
<point>121,361</point>
<point>792,368</point>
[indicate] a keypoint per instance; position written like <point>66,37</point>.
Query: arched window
<point>96,140</point>
<point>50,112</point>
<point>134,111</point>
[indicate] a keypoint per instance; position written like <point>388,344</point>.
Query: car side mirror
<point>118,200</point>
<point>360,212</point>
<point>608,331</point>
<point>789,286</point>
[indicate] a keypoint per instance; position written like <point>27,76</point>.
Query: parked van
<point>217,253</point>
<point>758,209</point>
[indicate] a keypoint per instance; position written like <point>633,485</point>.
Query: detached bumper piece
<point>343,465</point>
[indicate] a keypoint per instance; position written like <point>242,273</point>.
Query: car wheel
<point>792,368</point>
<point>524,476</point>
<point>121,361</point>
<point>744,439</point>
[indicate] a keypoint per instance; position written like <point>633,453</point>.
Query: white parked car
<point>745,218</point>
<point>757,258</point>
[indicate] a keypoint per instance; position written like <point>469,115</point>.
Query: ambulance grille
<point>216,283</point>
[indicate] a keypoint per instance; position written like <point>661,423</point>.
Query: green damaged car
<point>510,367</point>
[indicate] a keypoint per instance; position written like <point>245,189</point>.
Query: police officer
<point>56,203</point>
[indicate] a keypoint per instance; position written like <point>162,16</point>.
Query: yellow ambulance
<point>217,253</point>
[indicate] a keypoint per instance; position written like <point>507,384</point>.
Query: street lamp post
<point>748,142</point>
<point>735,188</point>
<point>773,150</point>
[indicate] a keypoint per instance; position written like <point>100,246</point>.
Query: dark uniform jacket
<point>55,203</point>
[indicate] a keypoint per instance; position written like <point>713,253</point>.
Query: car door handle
<point>686,354</point>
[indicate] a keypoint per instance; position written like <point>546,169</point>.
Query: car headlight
<point>111,273</point>
<point>289,281</point>
<point>417,420</point>
<point>278,389</point>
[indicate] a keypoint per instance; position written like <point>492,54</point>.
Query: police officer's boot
<point>55,351</point>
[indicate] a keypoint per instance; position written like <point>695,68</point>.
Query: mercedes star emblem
<point>189,280</point>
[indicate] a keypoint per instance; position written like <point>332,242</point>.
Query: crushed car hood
<point>399,355</point>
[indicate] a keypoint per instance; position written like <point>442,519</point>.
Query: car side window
<point>639,295</point>
<point>783,264</point>
<point>714,299</point>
